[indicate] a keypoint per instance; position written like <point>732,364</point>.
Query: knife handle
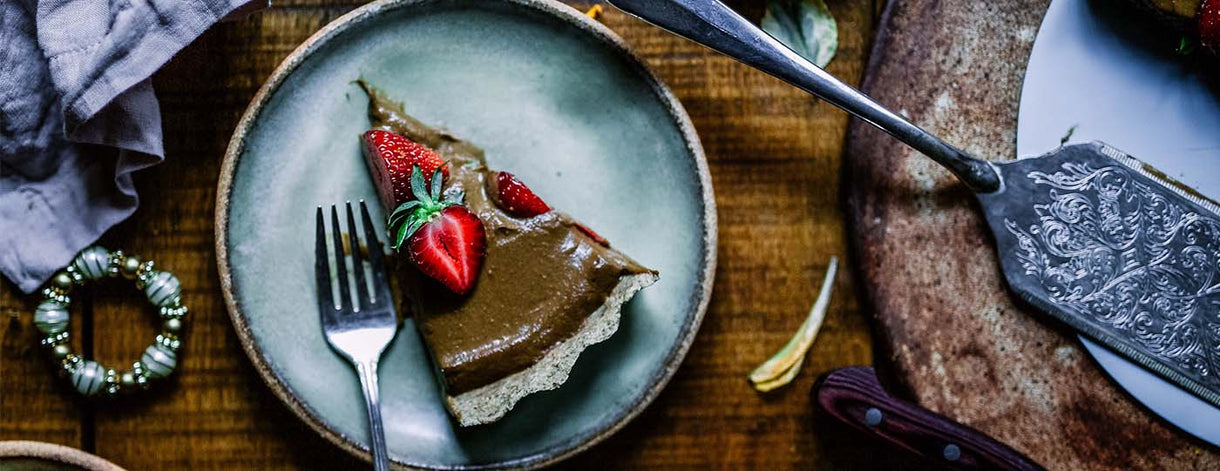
<point>853,396</point>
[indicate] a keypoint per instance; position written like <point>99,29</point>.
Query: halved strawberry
<point>450,248</point>
<point>516,199</point>
<point>445,240</point>
<point>1209,25</point>
<point>391,157</point>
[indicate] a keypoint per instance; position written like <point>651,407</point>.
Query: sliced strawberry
<point>391,157</point>
<point>1209,24</point>
<point>592,235</point>
<point>444,239</point>
<point>516,199</point>
<point>450,248</point>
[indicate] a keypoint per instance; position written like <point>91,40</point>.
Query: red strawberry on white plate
<point>391,158</point>
<point>443,238</point>
<point>516,199</point>
<point>512,196</point>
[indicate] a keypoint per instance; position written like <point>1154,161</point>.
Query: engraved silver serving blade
<point>1088,234</point>
<point>1120,252</point>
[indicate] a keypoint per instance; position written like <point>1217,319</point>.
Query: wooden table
<point>775,160</point>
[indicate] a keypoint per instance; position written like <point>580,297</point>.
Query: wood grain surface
<point>775,160</point>
<point>956,337</point>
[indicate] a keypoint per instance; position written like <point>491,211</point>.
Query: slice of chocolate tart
<point>547,287</point>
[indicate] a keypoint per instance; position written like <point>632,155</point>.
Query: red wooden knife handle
<point>853,396</point>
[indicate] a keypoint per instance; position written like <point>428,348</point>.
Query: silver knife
<point>1086,233</point>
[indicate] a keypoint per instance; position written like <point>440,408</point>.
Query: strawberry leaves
<point>441,236</point>
<point>408,217</point>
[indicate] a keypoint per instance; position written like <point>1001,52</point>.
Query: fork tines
<point>361,326</point>
<point>342,248</point>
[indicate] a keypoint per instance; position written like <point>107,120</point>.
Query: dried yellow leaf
<point>782,367</point>
<point>783,379</point>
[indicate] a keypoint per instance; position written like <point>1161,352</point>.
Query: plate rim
<point>57,453</point>
<point>572,446</point>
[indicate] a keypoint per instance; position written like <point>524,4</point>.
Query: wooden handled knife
<point>853,397</point>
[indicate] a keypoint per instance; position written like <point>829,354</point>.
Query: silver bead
<point>144,270</point>
<point>112,382</point>
<point>52,293</point>
<point>127,380</point>
<point>129,267</point>
<point>52,340</point>
<point>73,274</point>
<point>60,352</point>
<point>51,317</point>
<point>163,289</point>
<point>171,342</point>
<point>139,374</point>
<point>172,326</point>
<point>116,263</point>
<point>173,312</point>
<point>89,377</point>
<point>62,281</point>
<point>159,360</point>
<point>92,263</point>
<point>69,364</point>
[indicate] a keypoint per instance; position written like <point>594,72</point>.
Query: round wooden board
<point>956,338</point>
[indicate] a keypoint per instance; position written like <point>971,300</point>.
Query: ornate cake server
<point>1086,233</point>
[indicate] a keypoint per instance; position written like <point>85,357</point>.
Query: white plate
<point>1086,71</point>
<point>552,96</point>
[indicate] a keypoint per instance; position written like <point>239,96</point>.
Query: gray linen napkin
<point>78,116</point>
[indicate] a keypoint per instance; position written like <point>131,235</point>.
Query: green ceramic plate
<point>20,455</point>
<point>553,97</point>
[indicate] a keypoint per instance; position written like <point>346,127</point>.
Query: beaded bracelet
<point>163,291</point>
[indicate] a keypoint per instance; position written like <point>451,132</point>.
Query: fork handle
<point>712,24</point>
<point>372,402</point>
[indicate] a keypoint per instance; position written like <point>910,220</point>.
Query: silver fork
<point>359,330</point>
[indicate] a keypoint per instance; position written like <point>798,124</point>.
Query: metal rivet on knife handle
<point>952,452</point>
<point>872,417</point>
